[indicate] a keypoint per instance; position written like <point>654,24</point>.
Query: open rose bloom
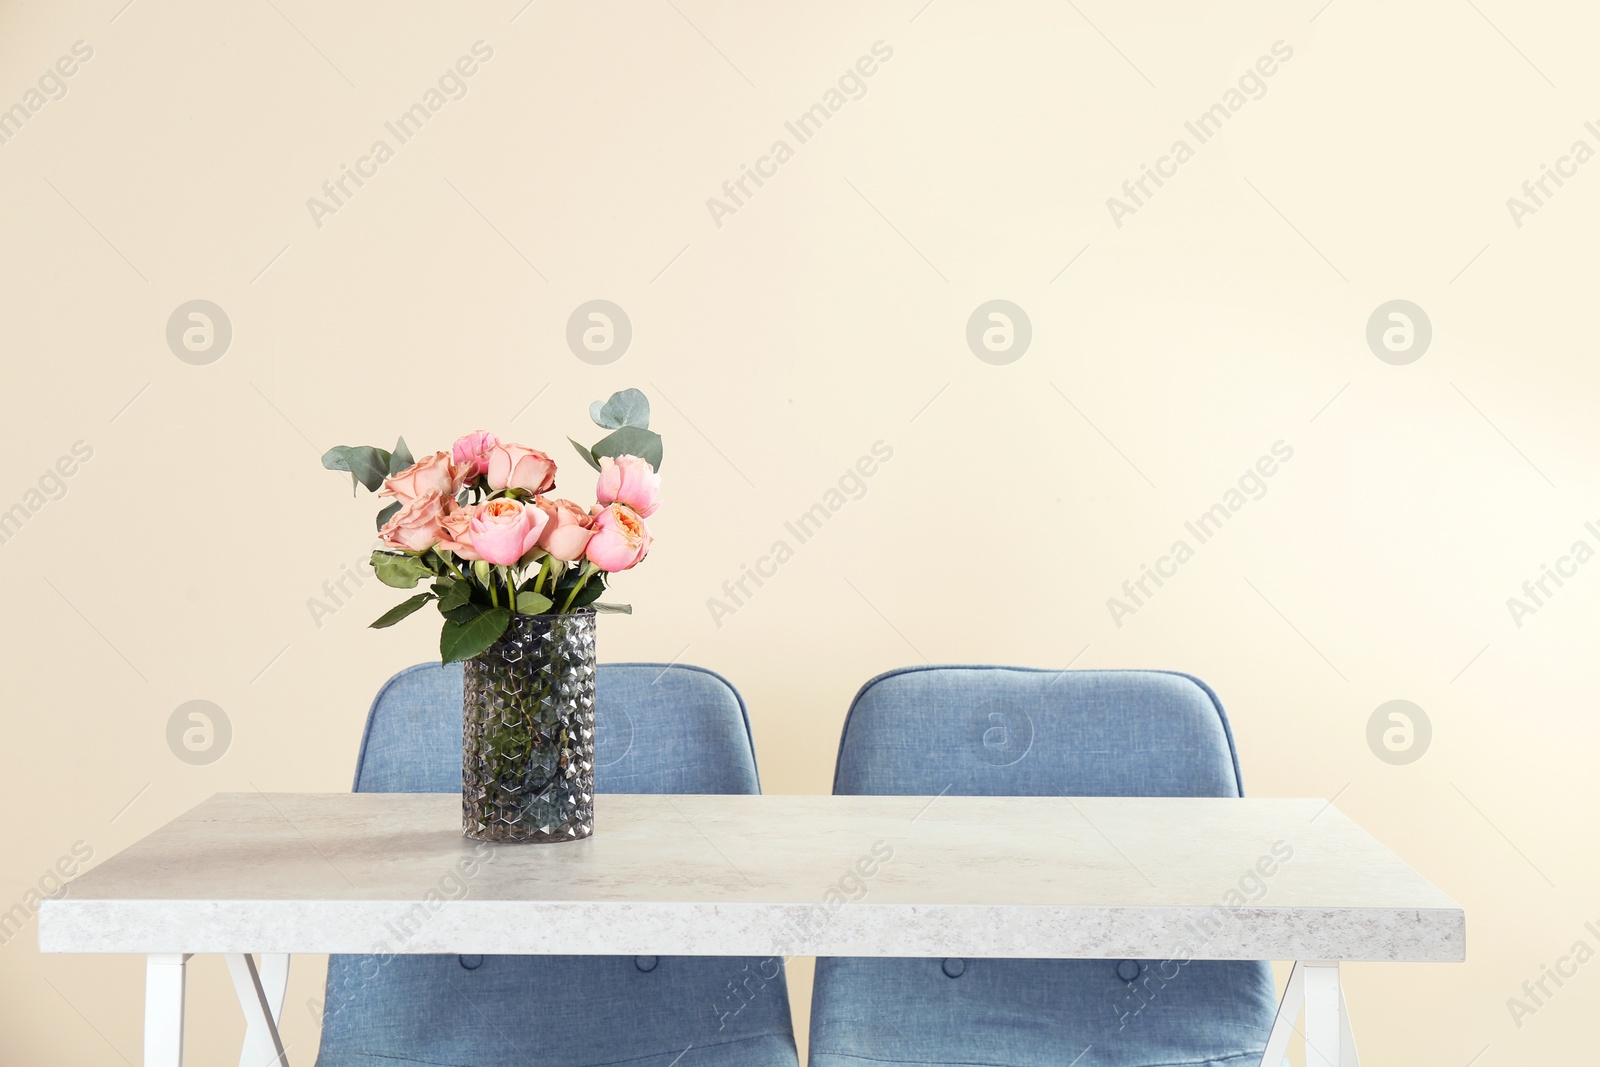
<point>478,529</point>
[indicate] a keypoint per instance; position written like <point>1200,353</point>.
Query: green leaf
<point>630,441</point>
<point>400,458</point>
<point>388,513</point>
<point>400,611</point>
<point>613,609</point>
<point>531,603</point>
<point>366,464</point>
<point>399,571</point>
<point>588,456</point>
<point>452,594</point>
<point>462,640</point>
<point>465,612</point>
<point>593,590</point>
<point>628,407</point>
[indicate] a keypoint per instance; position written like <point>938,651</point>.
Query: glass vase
<point>527,755</point>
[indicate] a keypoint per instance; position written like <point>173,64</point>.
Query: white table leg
<point>163,1009</point>
<point>1325,1015</point>
<point>260,988</point>
<point>1347,1036</point>
<point>1294,995</point>
<point>1316,988</point>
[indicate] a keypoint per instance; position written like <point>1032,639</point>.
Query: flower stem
<point>441,557</point>
<point>511,590</point>
<point>584,574</point>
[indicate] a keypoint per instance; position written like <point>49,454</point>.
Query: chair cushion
<point>556,1011</point>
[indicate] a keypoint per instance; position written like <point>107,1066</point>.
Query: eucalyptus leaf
<point>388,513</point>
<point>399,571</point>
<point>530,603</point>
<point>400,458</point>
<point>629,407</point>
<point>588,456</point>
<point>612,609</point>
<point>462,640</point>
<point>400,611</point>
<point>631,441</point>
<point>366,464</point>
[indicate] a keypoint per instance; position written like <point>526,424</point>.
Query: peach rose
<point>431,474</point>
<point>567,532</point>
<point>620,539</point>
<point>416,526</point>
<point>503,530</point>
<point>472,452</point>
<point>454,530</point>
<point>629,480</point>
<point>518,467</point>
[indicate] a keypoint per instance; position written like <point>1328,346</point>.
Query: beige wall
<point>1225,314</point>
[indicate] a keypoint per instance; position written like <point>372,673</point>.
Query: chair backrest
<point>1011,731</point>
<point>659,729</point>
<point>1008,731</point>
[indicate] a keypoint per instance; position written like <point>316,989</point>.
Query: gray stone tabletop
<point>762,875</point>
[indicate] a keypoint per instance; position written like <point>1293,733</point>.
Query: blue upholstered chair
<point>1001,731</point>
<point>660,729</point>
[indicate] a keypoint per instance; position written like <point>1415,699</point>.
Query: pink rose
<point>620,538</point>
<point>629,480</point>
<point>416,526</point>
<point>454,531</point>
<point>432,474</point>
<point>567,532</point>
<point>504,530</point>
<point>472,452</point>
<point>517,467</point>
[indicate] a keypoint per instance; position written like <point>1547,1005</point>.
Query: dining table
<point>259,877</point>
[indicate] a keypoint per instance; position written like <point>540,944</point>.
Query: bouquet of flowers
<point>479,524</point>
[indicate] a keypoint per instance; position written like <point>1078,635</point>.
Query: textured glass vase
<point>527,756</point>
